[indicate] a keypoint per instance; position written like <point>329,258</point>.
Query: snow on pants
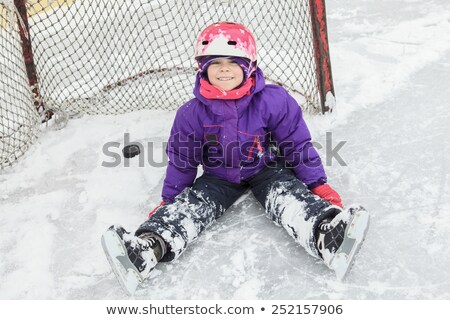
<point>287,202</point>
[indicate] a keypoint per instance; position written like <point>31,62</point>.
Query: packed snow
<point>391,62</point>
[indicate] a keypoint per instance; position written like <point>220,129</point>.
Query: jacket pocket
<point>212,146</point>
<point>211,134</point>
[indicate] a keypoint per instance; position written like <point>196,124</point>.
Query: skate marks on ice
<point>57,202</point>
<point>379,47</point>
<point>398,167</point>
<point>404,180</point>
<point>40,224</point>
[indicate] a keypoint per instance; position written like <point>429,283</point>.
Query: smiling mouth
<point>225,78</point>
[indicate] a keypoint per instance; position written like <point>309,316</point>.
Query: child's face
<point>225,74</point>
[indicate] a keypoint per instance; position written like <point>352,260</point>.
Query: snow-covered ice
<point>391,62</point>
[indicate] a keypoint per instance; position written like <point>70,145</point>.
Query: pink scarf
<point>211,92</point>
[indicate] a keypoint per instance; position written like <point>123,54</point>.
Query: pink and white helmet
<point>226,39</point>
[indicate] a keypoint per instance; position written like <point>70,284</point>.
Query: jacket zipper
<point>256,144</point>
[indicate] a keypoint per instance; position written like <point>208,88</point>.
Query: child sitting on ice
<point>232,127</point>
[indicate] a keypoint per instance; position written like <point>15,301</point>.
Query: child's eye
<point>224,63</point>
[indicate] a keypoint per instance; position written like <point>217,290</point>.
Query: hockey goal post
<point>112,57</point>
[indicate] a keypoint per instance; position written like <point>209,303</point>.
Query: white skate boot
<point>131,258</point>
<point>339,239</point>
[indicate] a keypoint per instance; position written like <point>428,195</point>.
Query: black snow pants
<point>287,201</point>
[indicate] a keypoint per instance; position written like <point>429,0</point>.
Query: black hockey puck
<point>131,150</point>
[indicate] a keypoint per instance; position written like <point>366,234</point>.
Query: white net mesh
<point>111,57</point>
<point>103,56</point>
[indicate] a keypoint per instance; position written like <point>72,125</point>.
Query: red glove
<point>154,210</point>
<point>327,193</point>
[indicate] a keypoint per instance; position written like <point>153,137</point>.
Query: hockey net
<point>18,115</point>
<point>112,57</point>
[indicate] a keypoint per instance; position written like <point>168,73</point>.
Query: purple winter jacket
<point>232,139</point>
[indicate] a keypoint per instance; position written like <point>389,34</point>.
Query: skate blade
<point>355,234</point>
<point>116,253</point>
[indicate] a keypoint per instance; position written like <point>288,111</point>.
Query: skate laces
<point>146,243</point>
<point>155,243</point>
<point>330,223</point>
<point>325,225</point>
<point>151,242</point>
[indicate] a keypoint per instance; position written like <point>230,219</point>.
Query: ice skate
<point>339,239</point>
<point>131,258</point>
